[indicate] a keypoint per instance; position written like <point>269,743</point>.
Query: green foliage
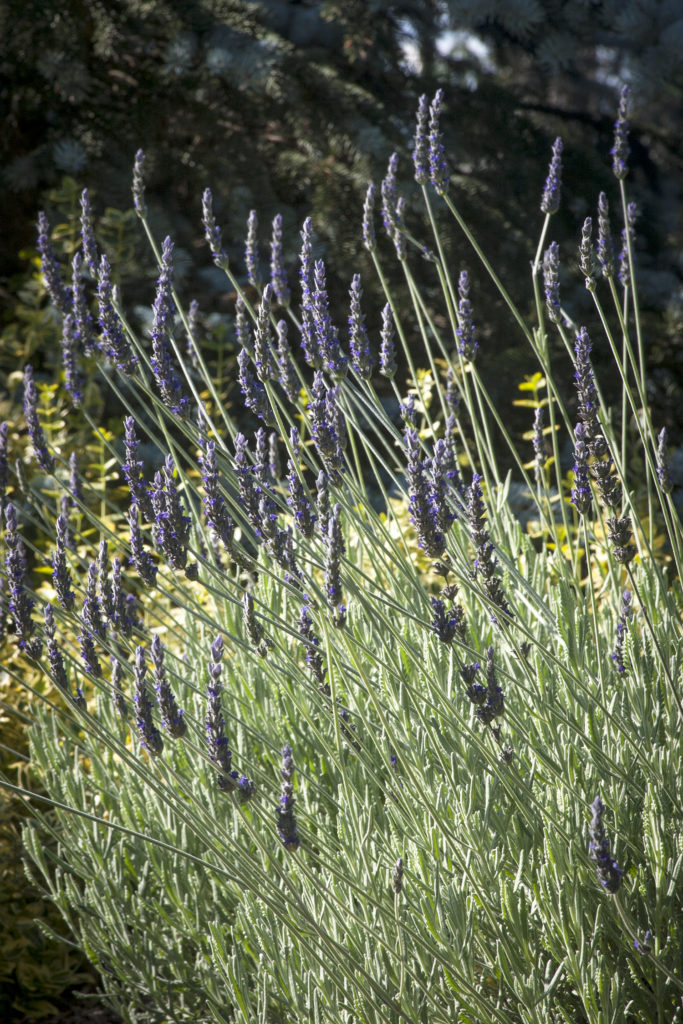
<point>184,893</point>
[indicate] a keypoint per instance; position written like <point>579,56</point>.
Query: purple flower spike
<point>54,655</point>
<point>286,373</point>
<point>88,235</point>
<point>387,348</point>
<point>150,737</point>
<point>212,232</point>
<point>550,200</point>
<point>466,331</point>
<point>663,467</point>
<point>60,296</point>
<point>334,551</point>
<point>139,557</point>
<point>216,511</point>
<point>219,753</point>
<point>139,184</point>
<point>171,715</point>
<point>308,338</point>
<point>424,514</point>
<point>162,361</point>
<point>588,260</point>
<point>114,341</point>
<point>171,530</point>
<point>251,256</point>
<point>326,334</point>
<point>313,655</point>
<point>625,613</point>
<point>605,251</point>
<point>551,281</point>
<point>620,151</point>
<point>438,170</point>
<point>61,577</point>
<point>369,238</point>
<point>421,146</point>
<point>286,822</point>
<point>132,470</point>
<point>85,340</point>
<point>20,604</point>
<point>581,496</point>
<point>359,343</point>
<point>297,495</point>
<point>485,561</point>
<point>44,459</point>
<point>609,872</point>
<point>253,391</point>
<point>628,234</point>
<point>263,338</point>
<point>328,427</point>
<point>278,274</point>
<point>73,378</point>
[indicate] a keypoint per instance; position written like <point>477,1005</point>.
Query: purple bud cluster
<point>162,362</point>
<point>59,294</point>
<point>369,237</point>
<point>662,463</point>
<point>438,170</point>
<point>215,509</point>
<point>139,557</point>
<point>139,184</point>
<point>328,427</point>
<point>620,151</point>
<point>466,331</point>
<point>253,391</point>
<point>448,624</point>
<point>309,343</point>
<point>263,338</point>
<point>609,872</point>
<point>605,250</point>
<point>286,372</point>
<point>88,242</point>
<point>387,347</point>
<point>550,200</point>
<point>150,737</point>
<point>625,613</point>
<point>426,512</point>
<point>84,333</point>
<point>278,274</point>
<point>421,144</point>
<point>171,530</point>
<point>61,577</point>
<point>485,562</point>
<point>334,551</point>
<point>20,604</point>
<point>551,281</point>
<point>212,232</point>
<point>359,343</point>
<point>54,655</point>
<point>253,628</point>
<point>313,656</point>
<point>286,822</point>
<point>73,377</point>
<point>44,459</point>
<point>92,611</point>
<point>581,495</point>
<point>132,470</point>
<point>326,334</point>
<point>113,337</point>
<point>229,781</point>
<point>171,715</point>
<point>297,494</point>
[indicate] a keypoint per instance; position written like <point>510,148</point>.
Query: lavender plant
<point>447,755</point>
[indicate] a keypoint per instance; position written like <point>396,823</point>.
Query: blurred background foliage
<point>292,107</point>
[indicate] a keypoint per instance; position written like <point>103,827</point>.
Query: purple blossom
<point>150,737</point>
<point>308,336</point>
<point>369,238</point>
<point>438,170</point>
<point>605,251</point>
<point>251,256</point>
<point>43,457</point>
<point>286,822</point>
<point>171,530</point>
<point>75,489</point>
<point>334,551</point>
<point>263,338</point>
<point>551,281</point>
<point>326,334</point>
<point>212,232</point>
<point>243,326</point>
<point>625,613</point>
<point>620,151</point>
<point>587,394</point>
<point>171,715</point>
<point>662,463</point>
<point>278,274</point>
<point>219,754</point>
<point>619,533</point>
<point>89,654</point>
<point>297,494</point>
<point>485,562</point>
<point>59,295</point>
<point>421,145</point>
<point>54,655</point>
<point>609,872</point>
<point>139,557</point>
<point>447,624</point>
<point>286,373</point>
<point>313,655</point>
<point>387,348</point>
<point>215,509</point>
<point>162,361</point>
<point>442,470</point>
<point>328,427</point>
<point>466,331</point>
<point>323,507</point>
<point>253,391</point>
<point>253,628</point>
<point>550,200</point>
<point>132,470</point>
<point>139,184</point>
<point>581,495</point>
<point>92,612</point>
<point>588,260</point>
<point>73,378</point>
<point>359,343</point>
<point>424,514</point>
<point>84,334</point>
<point>20,604</point>
<point>114,341</point>
<point>493,703</point>
<point>390,197</point>
<point>88,235</point>
<point>61,577</point>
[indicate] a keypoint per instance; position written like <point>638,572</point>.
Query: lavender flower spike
<point>171,715</point>
<point>466,331</point>
<point>581,496</point>
<point>73,378</point>
<point>609,872</point>
<point>663,468</point>
<point>162,362</point>
<point>4,467</point>
<point>620,151</point>
<point>369,238</point>
<point>438,171</point>
<point>286,373</point>
<point>88,235</point>
<point>229,781</point>
<point>359,343</point>
<point>114,341</point>
<point>215,509</point>
<point>60,296</point>
<point>551,281</point>
<point>278,274</point>
<point>588,260</point>
<point>251,256</point>
<point>212,232</point>
<point>484,562</point>
<point>20,604</point>
<point>334,550</point>
<point>132,470</point>
<point>61,577</point>
<point>625,613</point>
<point>286,822</point>
<point>83,322</point>
<point>421,146</point>
<point>171,529</point>
<point>605,248</point>
<point>54,655</point>
<point>141,559</point>
<point>150,737</point>
<point>139,184</point>
<point>297,496</point>
<point>550,200</point>
<point>43,457</point>
<point>423,514</point>
<point>253,391</point>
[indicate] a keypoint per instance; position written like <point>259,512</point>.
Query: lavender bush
<point>331,737</point>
